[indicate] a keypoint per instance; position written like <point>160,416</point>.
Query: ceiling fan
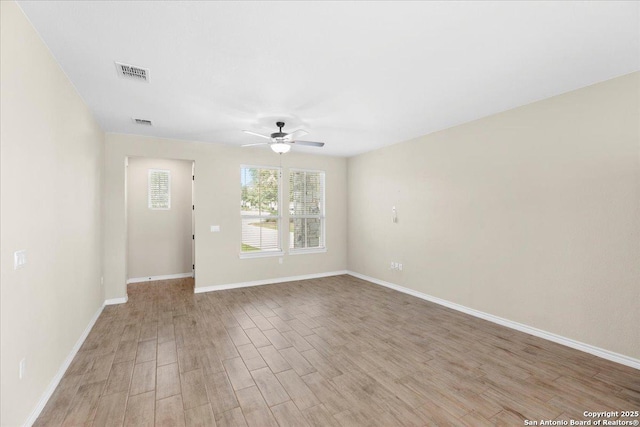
<point>280,142</point>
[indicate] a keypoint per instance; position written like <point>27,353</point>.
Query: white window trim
<point>323,216</point>
<point>260,254</point>
<point>308,251</point>
<point>265,253</point>
<point>149,189</point>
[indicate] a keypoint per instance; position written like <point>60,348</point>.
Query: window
<point>306,210</point>
<point>159,189</point>
<point>260,211</point>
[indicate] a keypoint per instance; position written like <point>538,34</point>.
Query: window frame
<point>322,216</point>
<point>263,253</point>
<point>149,203</point>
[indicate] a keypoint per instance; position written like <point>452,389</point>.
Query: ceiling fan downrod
<point>279,134</point>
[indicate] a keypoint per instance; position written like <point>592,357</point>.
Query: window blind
<point>159,187</point>
<point>306,209</point>
<point>260,209</point>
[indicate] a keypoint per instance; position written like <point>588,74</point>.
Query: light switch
<point>215,228</point>
<point>19,259</point>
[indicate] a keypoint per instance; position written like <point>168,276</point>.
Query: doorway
<point>160,219</point>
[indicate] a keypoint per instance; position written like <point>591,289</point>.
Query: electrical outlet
<point>396,266</point>
<point>280,260</point>
<point>101,280</point>
<point>23,368</point>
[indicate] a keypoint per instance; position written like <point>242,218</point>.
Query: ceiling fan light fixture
<point>280,147</point>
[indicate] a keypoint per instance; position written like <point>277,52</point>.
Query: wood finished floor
<point>335,351</point>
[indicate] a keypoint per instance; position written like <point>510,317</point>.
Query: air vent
<point>142,122</point>
<point>132,72</point>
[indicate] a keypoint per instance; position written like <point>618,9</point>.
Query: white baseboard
<point>114,301</point>
<point>63,368</point>
<point>165,277</point>
<point>587,348</point>
<point>202,289</point>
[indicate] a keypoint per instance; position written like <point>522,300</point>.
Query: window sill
<point>248,255</point>
<point>307,251</point>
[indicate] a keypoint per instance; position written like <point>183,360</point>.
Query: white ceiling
<point>356,75</point>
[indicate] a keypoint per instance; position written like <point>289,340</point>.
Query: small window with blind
<point>306,211</point>
<point>159,189</point>
<point>260,211</point>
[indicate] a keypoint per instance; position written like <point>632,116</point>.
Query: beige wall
<point>159,241</point>
<point>532,215</point>
<point>51,167</point>
<point>217,201</point>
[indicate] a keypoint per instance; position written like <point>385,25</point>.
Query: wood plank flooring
<point>336,351</point>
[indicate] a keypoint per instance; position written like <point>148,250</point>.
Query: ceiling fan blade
<point>257,143</point>
<point>256,134</point>
<point>297,133</point>
<point>309,143</point>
